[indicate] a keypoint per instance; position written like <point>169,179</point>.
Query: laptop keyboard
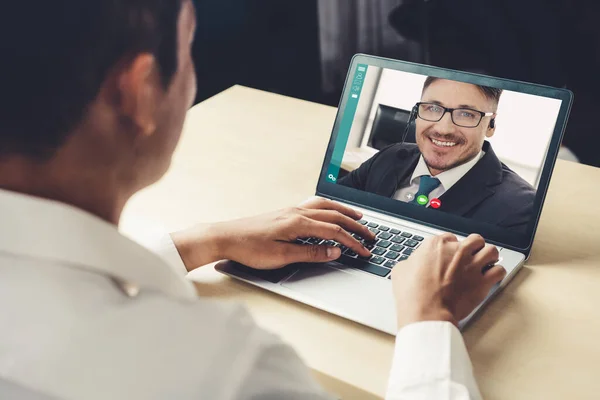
<point>390,247</point>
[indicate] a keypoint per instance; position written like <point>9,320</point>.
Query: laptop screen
<point>467,149</point>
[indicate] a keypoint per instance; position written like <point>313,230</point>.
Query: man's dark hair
<point>57,53</point>
<point>489,92</point>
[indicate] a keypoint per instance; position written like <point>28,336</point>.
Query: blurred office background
<point>303,48</point>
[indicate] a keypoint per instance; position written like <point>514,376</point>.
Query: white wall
<point>363,109</point>
<point>525,123</point>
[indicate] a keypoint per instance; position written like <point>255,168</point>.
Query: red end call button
<point>435,203</point>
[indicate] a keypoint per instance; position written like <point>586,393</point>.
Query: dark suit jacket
<point>490,192</point>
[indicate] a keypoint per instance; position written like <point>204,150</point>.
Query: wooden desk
<point>245,152</point>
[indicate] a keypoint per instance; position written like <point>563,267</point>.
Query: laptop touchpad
<point>346,292</point>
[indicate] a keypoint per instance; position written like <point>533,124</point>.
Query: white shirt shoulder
<point>91,341</point>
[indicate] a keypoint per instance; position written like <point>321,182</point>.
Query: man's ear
<point>492,127</point>
<point>139,92</point>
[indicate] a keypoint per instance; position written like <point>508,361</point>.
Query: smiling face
<point>443,144</point>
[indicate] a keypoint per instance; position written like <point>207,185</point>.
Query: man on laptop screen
<point>452,166</point>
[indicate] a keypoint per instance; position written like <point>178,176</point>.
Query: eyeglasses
<point>463,117</point>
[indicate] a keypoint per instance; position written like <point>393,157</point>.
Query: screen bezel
<point>434,218</point>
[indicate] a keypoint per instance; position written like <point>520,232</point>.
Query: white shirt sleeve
<point>152,236</point>
<point>165,248</point>
<point>431,362</point>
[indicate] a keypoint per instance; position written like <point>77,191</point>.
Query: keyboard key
<point>378,251</point>
<point>364,266</point>
<point>384,243</point>
<point>384,235</point>
<point>395,231</point>
<point>397,248</point>
<point>377,260</point>
<point>392,255</point>
<point>362,222</point>
<point>406,235</point>
<point>375,269</point>
<point>372,225</point>
<point>411,243</point>
<point>390,264</point>
<point>408,251</point>
<point>375,230</point>
<point>329,243</point>
<point>350,253</point>
<point>366,241</point>
<point>358,237</point>
<point>369,246</point>
<point>403,257</point>
<point>418,238</point>
<point>383,228</point>
<point>398,239</point>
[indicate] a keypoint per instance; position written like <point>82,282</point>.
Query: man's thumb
<point>317,254</point>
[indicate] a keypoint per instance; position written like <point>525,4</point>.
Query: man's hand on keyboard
<point>443,279</point>
<point>269,241</point>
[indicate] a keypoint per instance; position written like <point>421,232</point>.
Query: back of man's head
<point>56,55</point>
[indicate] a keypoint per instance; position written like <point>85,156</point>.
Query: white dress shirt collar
<point>446,178</point>
<point>63,234</point>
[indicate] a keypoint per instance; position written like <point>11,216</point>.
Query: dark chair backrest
<point>389,126</point>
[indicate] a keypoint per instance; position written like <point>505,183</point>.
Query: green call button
<point>422,200</point>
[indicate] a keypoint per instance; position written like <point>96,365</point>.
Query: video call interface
<point>473,151</point>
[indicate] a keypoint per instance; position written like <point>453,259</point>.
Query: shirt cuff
<point>431,356</point>
<point>166,249</point>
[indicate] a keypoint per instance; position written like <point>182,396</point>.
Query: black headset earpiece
<point>493,123</point>
<point>411,118</point>
<point>413,114</point>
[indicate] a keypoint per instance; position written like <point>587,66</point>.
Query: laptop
<point>491,145</point>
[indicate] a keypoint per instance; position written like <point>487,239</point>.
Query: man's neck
<point>434,172</point>
<point>49,181</point>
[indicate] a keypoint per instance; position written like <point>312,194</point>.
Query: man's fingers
<point>494,275</point>
<point>487,256</point>
<point>319,203</point>
<point>447,237</point>
<point>335,217</point>
<point>295,253</point>
<point>472,244</point>
<point>440,241</point>
<point>324,230</point>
